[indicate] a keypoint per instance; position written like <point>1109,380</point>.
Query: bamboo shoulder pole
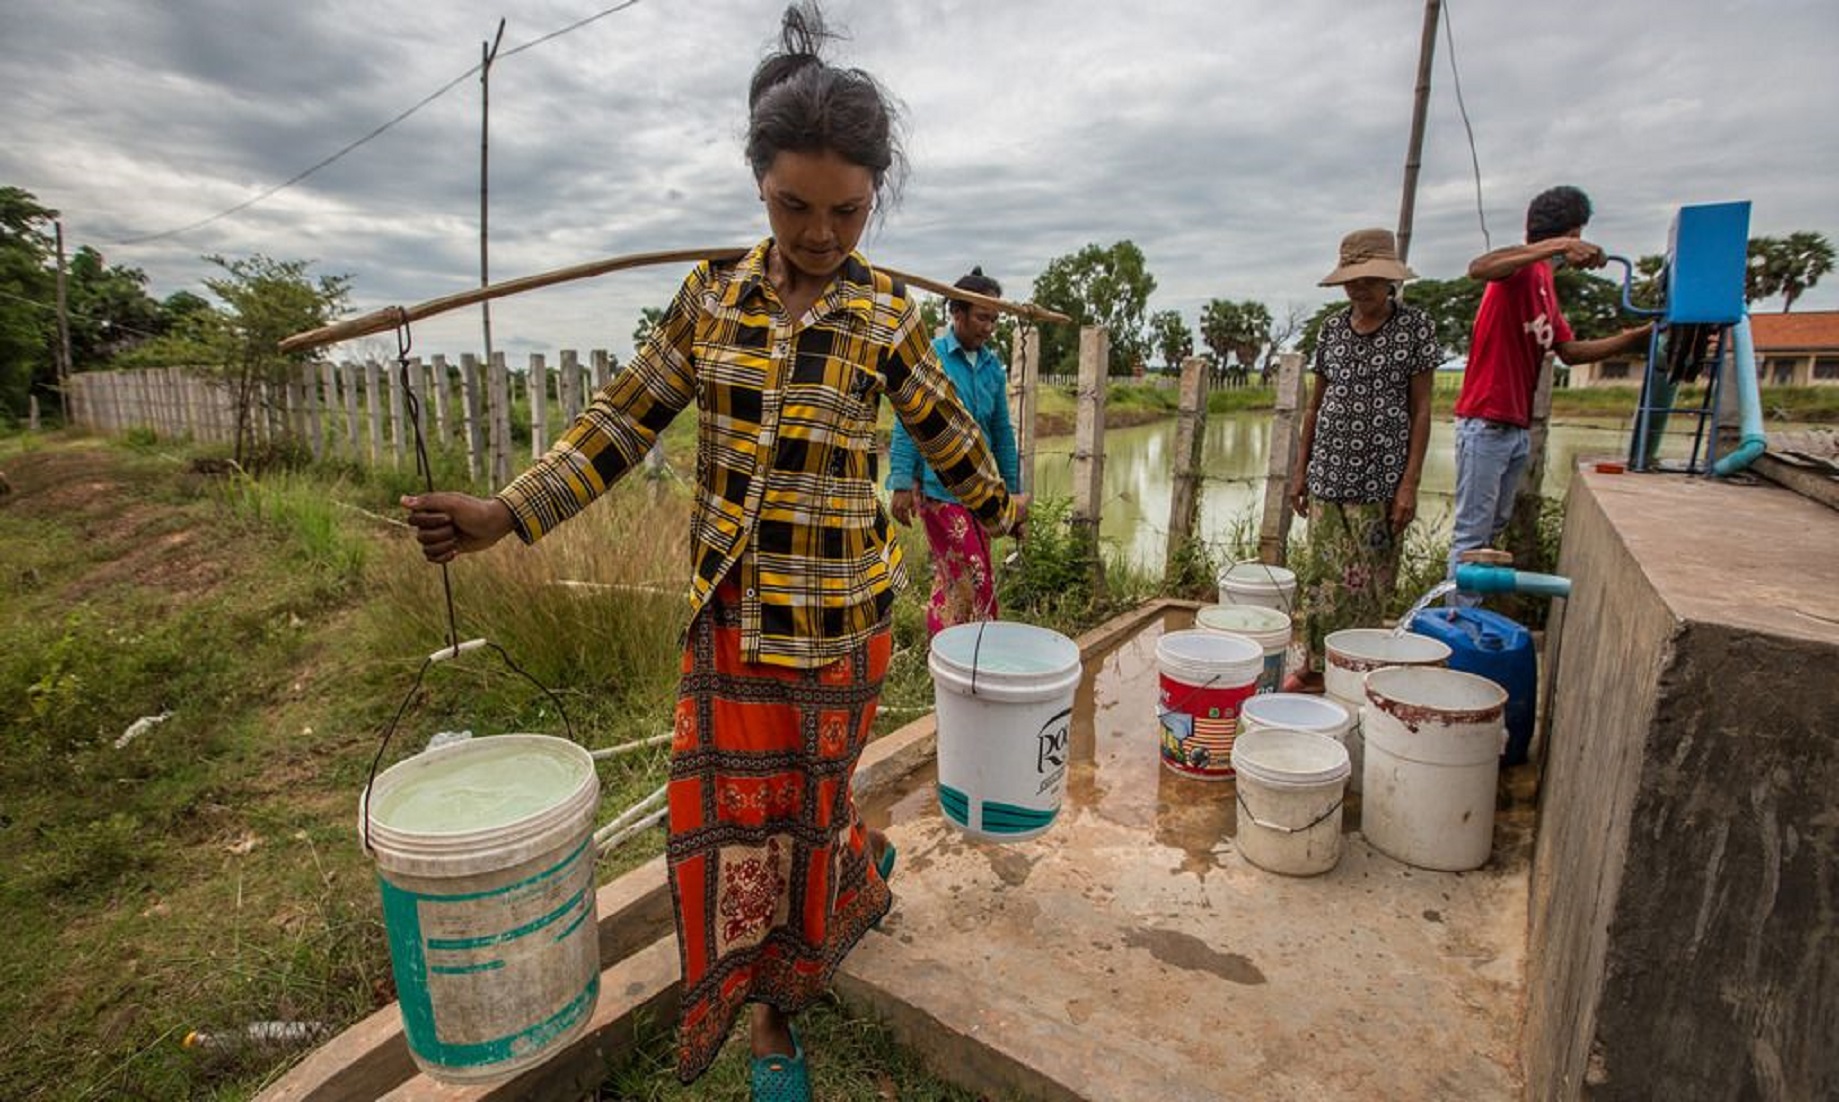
<point>379,321</point>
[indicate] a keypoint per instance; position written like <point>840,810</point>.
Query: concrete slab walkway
<point>1131,953</point>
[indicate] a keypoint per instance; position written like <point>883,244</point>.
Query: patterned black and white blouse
<point>1363,431</point>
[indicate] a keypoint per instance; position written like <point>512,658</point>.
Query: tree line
<point>256,300</point>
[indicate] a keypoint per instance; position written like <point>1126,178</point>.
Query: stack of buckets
<point>1348,656</point>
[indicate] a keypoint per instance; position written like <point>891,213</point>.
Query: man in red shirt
<point>1519,321</point>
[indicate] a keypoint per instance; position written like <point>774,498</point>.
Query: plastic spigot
<point>1472,577</point>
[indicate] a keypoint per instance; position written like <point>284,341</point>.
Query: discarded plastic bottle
<point>258,1035</point>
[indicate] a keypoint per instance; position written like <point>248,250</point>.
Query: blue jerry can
<point>1491,645</point>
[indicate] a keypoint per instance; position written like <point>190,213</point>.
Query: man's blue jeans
<point>1490,458</point>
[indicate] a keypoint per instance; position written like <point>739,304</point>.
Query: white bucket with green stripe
<point>485,857</point>
<point>1005,711</point>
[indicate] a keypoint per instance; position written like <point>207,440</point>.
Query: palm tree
<point>1805,257</point>
<point>1788,266</point>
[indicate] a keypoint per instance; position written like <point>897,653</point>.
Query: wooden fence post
<point>309,390</point>
<point>441,388</point>
<point>1274,529</point>
<point>471,383</point>
<point>1024,387</point>
<point>603,370</point>
<point>570,387</point>
<point>1089,444</point>
<point>498,377</point>
<point>539,405</point>
<point>1190,435</point>
<point>393,381</point>
<point>328,382</point>
<point>373,410</point>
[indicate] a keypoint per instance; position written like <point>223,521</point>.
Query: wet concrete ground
<point>1131,952</point>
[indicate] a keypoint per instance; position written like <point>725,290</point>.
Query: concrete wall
<point>1684,934</point>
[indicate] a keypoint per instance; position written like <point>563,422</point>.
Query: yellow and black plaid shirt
<point>785,448</point>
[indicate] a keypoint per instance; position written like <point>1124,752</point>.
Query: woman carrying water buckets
<point>1365,431</point>
<point>787,353</point>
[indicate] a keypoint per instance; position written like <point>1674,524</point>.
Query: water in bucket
<point>1005,712</point>
<point>486,867</point>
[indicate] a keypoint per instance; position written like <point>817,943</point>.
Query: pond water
<point>1140,461</point>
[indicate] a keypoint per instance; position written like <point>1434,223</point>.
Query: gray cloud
<point>1234,143</point>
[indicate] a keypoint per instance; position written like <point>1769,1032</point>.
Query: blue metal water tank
<point>1492,646</point>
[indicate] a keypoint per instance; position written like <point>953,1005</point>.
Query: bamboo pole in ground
<point>398,433</point>
<point>378,321</point>
<point>1024,390</point>
<point>498,396</point>
<point>442,393</point>
<point>1089,445</point>
<point>539,405</point>
<point>348,386</point>
<point>570,388</point>
<point>1190,435</point>
<point>471,383</point>
<point>373,410</point>
<point>1274,528</point>
<point>309,398</point>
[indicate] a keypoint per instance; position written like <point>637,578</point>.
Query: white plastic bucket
<point>1290,793</point>
<point>1205,677</point>
<point>1434,740</point>
<point>1005,711</point>
<point>1268,627</point>
<point>1348,656</point>
<point>485,859</point>
<point>1256,583</point>
<point>1296,712</point>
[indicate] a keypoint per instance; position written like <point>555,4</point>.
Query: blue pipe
<point>1749,404</point>
<point>1475,577</point>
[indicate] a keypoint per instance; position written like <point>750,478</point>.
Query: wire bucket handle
<point>443,655</point>
<point>1288,599</point>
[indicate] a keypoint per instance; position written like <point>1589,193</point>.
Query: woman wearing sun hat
<point>1365,430</point>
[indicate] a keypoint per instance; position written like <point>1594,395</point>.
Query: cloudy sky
<point>1234,141</point>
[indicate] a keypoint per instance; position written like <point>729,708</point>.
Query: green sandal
<point>782,1078</point>
<point>885,863</point>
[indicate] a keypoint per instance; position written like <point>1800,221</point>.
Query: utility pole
<point>1427,48</point>
<point>488,52</point>
<point>63,315</point>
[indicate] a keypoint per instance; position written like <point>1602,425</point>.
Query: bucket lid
<point>1244,619</point>
<point>1296,711</point>
<point>1258,573</point>
<point>1291,759</point>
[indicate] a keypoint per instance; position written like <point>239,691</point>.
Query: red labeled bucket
<point>1206,676</point>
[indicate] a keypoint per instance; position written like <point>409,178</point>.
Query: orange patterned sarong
<point>769,862</point>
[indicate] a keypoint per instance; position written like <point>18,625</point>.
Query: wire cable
<point>1449,37</point>
<point>378,132</point>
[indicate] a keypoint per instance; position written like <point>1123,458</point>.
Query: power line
<point>378,132</point>
<point>52,308</point>
<point>1449,37</point>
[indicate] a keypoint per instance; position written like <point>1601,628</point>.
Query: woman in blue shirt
<point>963,576</point>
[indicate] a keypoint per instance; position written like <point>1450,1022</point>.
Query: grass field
<point>204,873</point>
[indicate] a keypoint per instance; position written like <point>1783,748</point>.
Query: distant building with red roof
<point>1791,350</point>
